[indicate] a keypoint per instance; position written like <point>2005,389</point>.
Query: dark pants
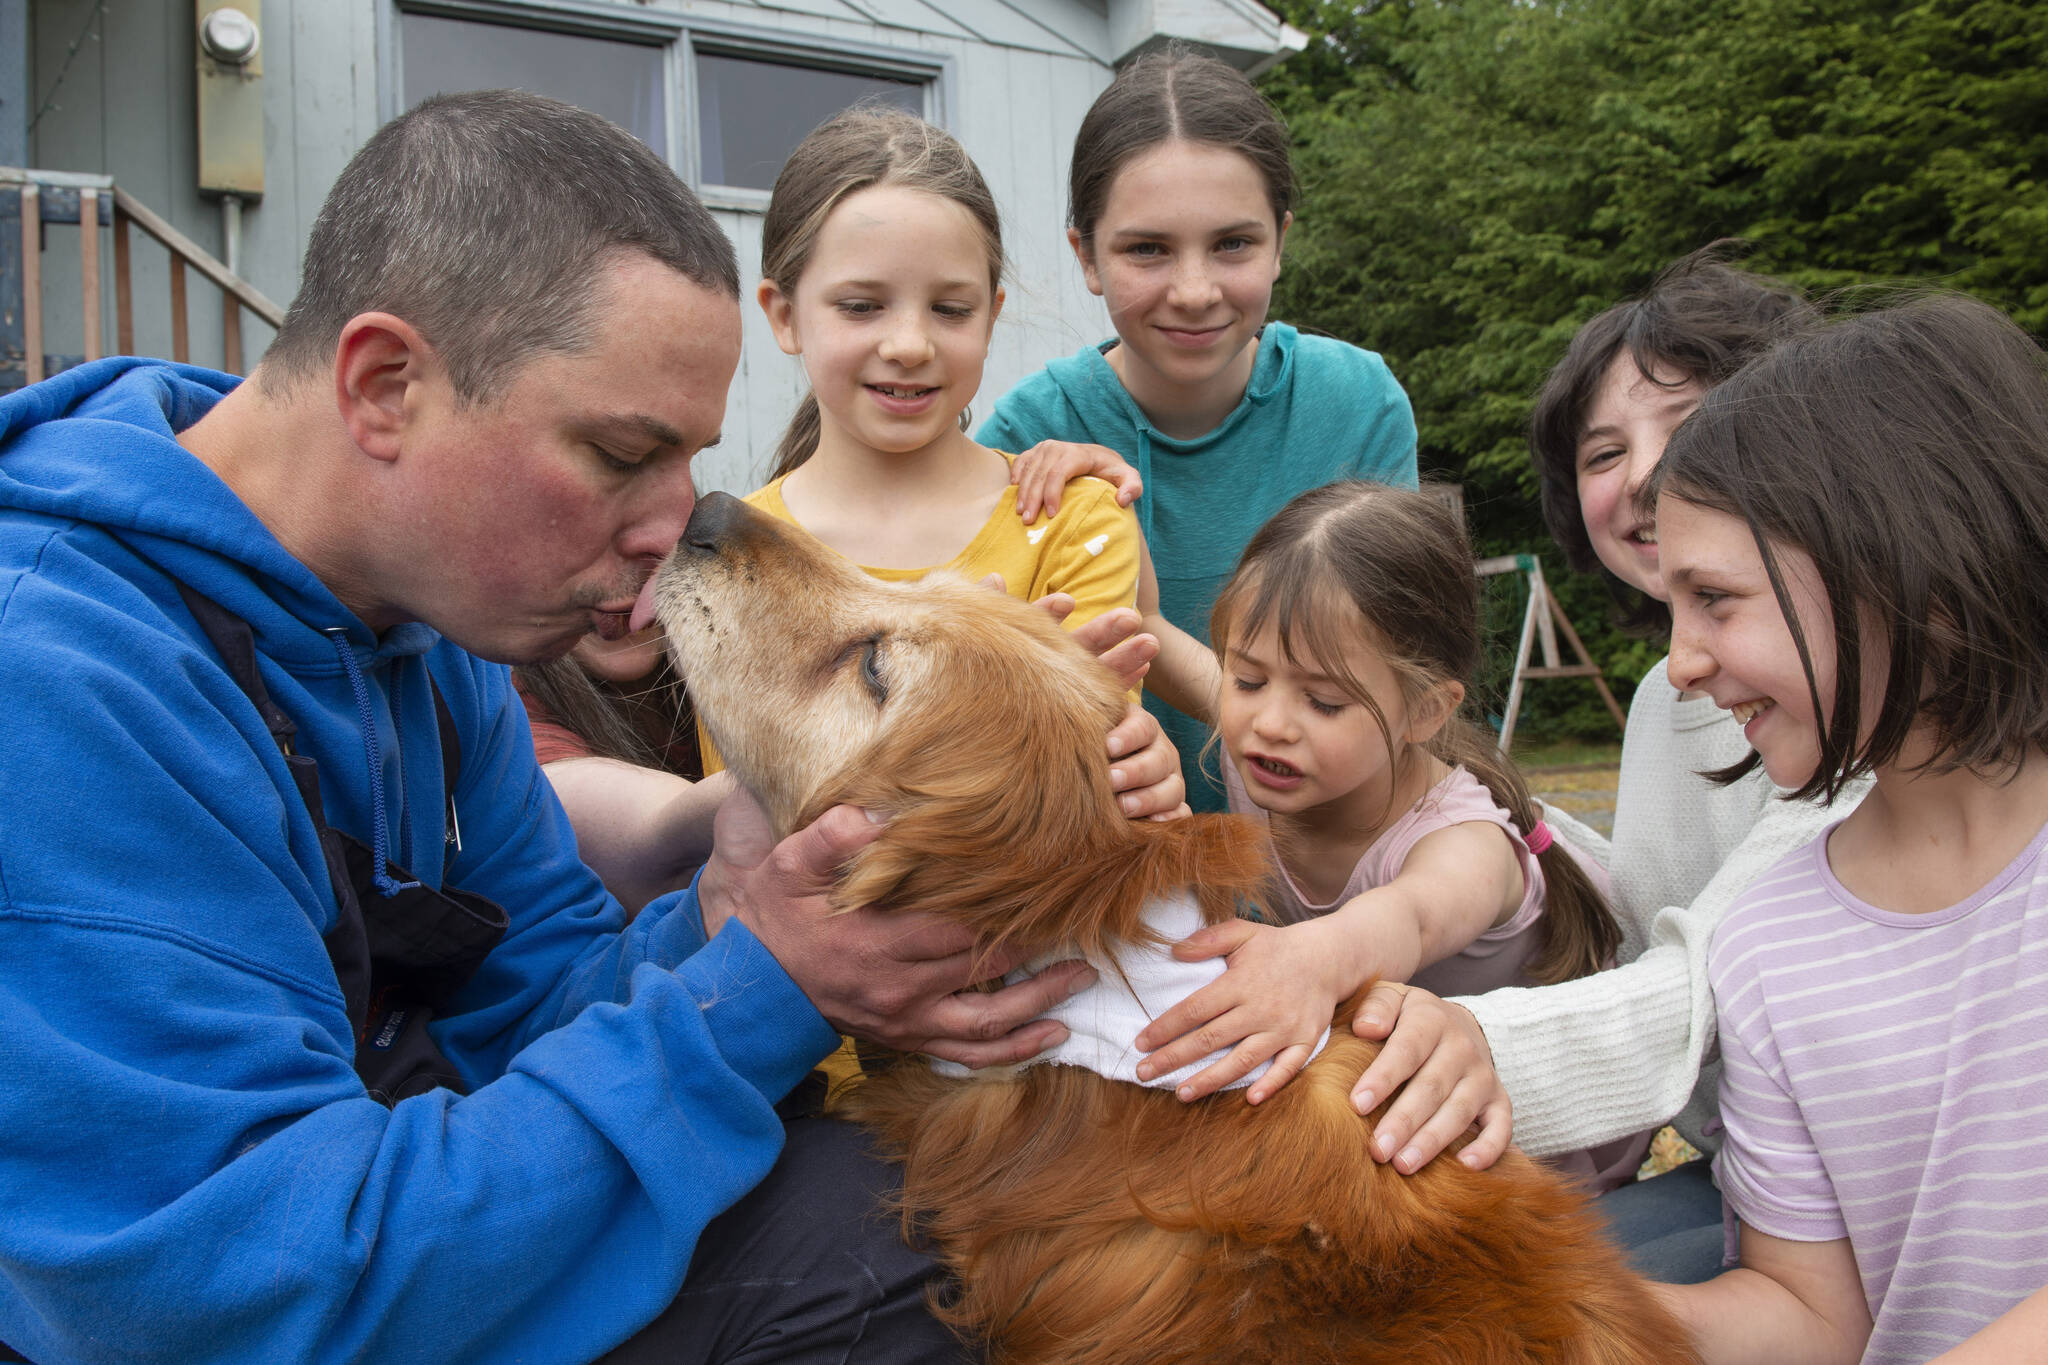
<point>1670,1224</point>
<point>807,1268</point>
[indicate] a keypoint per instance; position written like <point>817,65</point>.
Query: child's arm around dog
<point>1285,981</point>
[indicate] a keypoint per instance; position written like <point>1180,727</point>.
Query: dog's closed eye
<point>867,652</point>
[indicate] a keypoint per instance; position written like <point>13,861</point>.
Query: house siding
<point>1019,76</point>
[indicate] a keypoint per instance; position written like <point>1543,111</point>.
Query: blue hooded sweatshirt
<point>191,1168</point>
<point>1315,410</point>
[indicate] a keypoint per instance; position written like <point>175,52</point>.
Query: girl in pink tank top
<point>1407,846</point>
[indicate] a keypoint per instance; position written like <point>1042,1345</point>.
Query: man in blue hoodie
<point>316,1039</point>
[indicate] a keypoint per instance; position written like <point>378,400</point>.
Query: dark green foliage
<point>1482,177</point>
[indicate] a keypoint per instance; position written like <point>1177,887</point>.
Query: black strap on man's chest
<point>397,957</point>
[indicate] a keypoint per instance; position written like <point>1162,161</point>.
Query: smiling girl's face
<point>1730,639</point>
<point>892,316</point>
<point>1184,253</point>
<point>1628,424</point>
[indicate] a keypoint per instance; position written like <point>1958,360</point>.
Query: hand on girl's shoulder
<point>1043,472</point>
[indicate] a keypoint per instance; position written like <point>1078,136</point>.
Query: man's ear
<point>1085,254</point>
<point>377,362</point>
<point>1434,710</point>
<point>781,311</point>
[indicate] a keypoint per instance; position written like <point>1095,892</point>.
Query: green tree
<point>1482,177</point>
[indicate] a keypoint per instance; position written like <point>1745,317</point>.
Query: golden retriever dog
<point>1089,1219</point>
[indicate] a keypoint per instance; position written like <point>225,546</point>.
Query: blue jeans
<point>1670,1225</point>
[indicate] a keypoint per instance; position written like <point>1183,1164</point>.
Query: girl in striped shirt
<point>1854,535</point>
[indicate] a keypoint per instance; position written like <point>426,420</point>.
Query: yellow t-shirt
<point>1088,550</point>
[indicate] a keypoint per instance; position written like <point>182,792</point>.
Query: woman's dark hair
<point>1905,452</point>
<point>1176,94</point>
<point>1698,323</point>
<point>863,147</point>
<point>1396,563</point>
<point>601,714</point>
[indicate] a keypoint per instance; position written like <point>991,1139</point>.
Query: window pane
<point>620,80</point>
<point>751,114</point>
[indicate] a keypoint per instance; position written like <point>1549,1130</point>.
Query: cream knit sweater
<point>1630,1049</point>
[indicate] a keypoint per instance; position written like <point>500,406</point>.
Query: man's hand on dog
<point>897,979</point>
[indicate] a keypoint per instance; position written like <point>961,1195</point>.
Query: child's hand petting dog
<point>1147,780</point>
<point>1145,769</point>
<point>1115,638</point>
<point>1274,1001</point>
<point>1436,1055</point>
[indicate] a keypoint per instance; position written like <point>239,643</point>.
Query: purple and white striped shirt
<point>1885,1079</point>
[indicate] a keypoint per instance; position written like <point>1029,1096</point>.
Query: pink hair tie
<point>1538,839</point>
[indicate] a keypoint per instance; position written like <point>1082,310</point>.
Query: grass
<point>1536,754</point>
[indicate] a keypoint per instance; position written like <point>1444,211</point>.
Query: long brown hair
<point>866,146</point>
<point>600,714</point>
<point>1396,563</point>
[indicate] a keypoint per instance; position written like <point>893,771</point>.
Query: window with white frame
<point>722,104</point>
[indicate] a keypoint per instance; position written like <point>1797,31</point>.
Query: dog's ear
<point>1007,764</point>
<point>1001,813</point>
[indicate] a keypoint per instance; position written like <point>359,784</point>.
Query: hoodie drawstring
<point>380,844</point>
<point>1145,480</point>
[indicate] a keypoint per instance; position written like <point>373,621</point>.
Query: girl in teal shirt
<point>1179,199</point>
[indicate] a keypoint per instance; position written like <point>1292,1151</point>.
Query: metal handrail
<point>74,197</point>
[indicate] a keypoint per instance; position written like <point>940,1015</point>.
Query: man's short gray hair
<point>483,220</point>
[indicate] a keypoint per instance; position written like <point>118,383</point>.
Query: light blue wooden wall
<point>1021,74</point>
<point>125,108</point>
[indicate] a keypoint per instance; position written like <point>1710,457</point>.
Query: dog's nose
<point>712,521</point>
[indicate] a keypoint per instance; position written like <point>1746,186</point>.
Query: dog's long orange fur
<point>1089,1220</point>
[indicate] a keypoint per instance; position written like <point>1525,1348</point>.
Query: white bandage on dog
<point>1104,1021</point>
